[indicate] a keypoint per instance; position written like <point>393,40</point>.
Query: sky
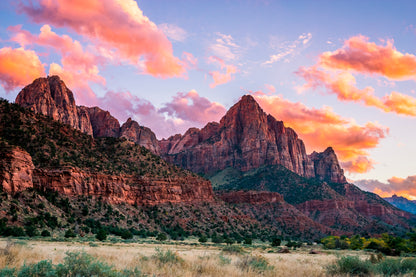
<point>340,73</point>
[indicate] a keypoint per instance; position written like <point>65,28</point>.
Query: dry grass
<point>194,260</point>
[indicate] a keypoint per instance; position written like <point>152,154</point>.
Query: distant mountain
<point>402,203</point>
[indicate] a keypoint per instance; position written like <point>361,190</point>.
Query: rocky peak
<point>327,167</point>
<point>51,97</point>
<point>103,123</point>
<point>142,136</point>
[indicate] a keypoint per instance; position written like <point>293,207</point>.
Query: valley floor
<point>177,259</point>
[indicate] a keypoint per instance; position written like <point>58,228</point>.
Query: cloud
<point>194,108</point>
<point>288,48</point>
<point>173,32</point>
<point>79,67</point>
<point>315,126</point>
<point>19,67</point>
<point>220,77</point>
<point>225,47</point>
<point>405,187</point>
<point>117,26</point>
<point>343,84</point>
<point>360,55</point>
<point>185,110</point>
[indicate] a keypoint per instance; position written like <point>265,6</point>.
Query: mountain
<point>50,96</point>
<point>402,203</point>
<point>246,138</point>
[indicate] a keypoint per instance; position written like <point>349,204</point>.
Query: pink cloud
<point>360,55</point>
<point>320,128</point>
<point>116,25</point>
<point>343,84</point>
<point>405,187</point>
<point>194,108</point>
<point>220,77</point>
<point>19,67</point>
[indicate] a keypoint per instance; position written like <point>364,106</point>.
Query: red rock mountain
<point>51,97</point>
<point>247,138</point>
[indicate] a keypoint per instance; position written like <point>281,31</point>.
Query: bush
<point>42,268</point>
<point>276,242</point>
<point>101,235</point>
<point>45,233</point>
<point>350,265</point>
<point>248,241</point>
<point>255,263</point>
<point>70,234</point>
<point>396,267</point>
<point>126,234</point>
<point>167,256</point>
<point>161,237</point>
<point>203,239</point>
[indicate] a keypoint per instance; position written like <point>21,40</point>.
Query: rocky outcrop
<point>244,139</point>
<point>250,197</point>
<point>129,189</point>
<point>51,97</point>
<point>16,169</point>
<point>142,136</point>
<point>327,167</point>
<point>103,123</point>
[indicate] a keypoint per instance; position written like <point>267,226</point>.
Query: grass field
<point>178,259</point>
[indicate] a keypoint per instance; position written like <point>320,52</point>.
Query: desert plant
<point>233,249</point>
<point>352,265</point>
<point>203,239</point>
<point>161,237</point>
<point>101,235</point>
<point>256,263</point>
<point>167,256</point>
<point>70,234</point>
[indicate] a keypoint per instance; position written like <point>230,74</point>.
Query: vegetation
<point>386,244</point>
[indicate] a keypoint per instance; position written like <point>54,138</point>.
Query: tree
<point>248,241</point>
<point>161,237</point>
<point>276,242</point>
<point>101,235</point>
<point>203,239</point>
<point>70,234</point>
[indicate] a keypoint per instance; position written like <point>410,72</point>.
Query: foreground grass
<point>136,259</point>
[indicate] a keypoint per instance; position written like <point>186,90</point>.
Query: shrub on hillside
<point>352,265</point>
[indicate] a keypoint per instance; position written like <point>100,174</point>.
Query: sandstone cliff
<point>51,97</point>
<point>244,139</point>
<point>142,136</point>
<point>327,167</point>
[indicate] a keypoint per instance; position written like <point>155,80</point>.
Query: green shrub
<point>126,234</point>
<point>352,265</point>
<point>167,256</point>
<point>248,241</point>
<point>224,260</point>
<point>45,233</point>
<point>276,242</point>
<point>161,237</point>
<point>203,239</point>
<point>255,263</point>
<point>396,267</point>
<point>41,269</point>
<point>101,235</point>
<point>70,234</point>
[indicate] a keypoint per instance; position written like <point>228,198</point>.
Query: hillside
<point>402,203</point>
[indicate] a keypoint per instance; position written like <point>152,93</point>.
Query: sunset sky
<point>341,73</point>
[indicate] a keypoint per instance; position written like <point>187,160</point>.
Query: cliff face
<point>17,173</point>
<point>327,167</point>
<point>251,197</point>
<point>16,169</point>
<point>51,97</point>
<point>245,138</point>
<point>142,136</point>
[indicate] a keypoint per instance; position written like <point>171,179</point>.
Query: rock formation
<point>251,197</point>
<point>245,138</point>
<point>327,167</point>
<point>16,169</point>
<point>51,97</point>
<point>143,136</point>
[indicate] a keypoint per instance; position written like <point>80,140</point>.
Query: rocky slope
<point>247,138</point>
<point>50,96</point>
<point>74,164</point>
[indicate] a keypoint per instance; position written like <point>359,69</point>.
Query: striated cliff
<point>327,167</point>
<point>244,139</point>
<point>50,96</point>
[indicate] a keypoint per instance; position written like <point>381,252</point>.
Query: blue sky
<point>341,73</point>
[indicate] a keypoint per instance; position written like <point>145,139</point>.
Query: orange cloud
<point>405,187</point>
<point>117,26</point>
<point>315,126</point>
<point>19,67</point>
<point>343,84</point>
<point>78,68</point>
<point>219,77</point>
<point>360,55</point>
